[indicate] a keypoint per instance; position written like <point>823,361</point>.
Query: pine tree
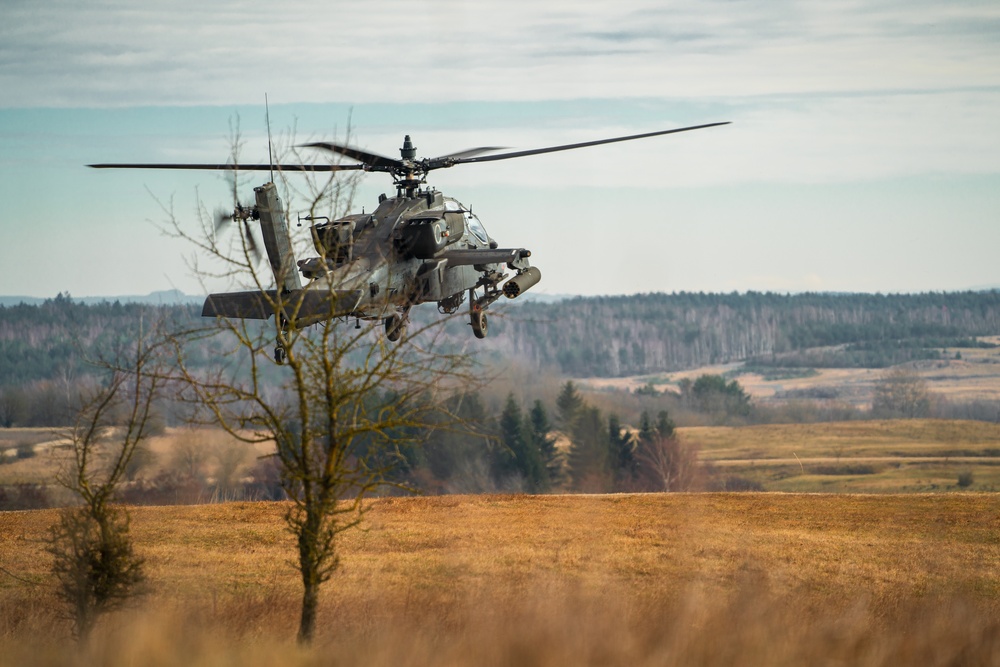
<point>518,455</point>
<point>620,446</point>
<point>589,460</point>
<point>664,425</point>
<point>539,427</point>
<point>663,462</point>
<point>646,428</point>
<point>569,405</point>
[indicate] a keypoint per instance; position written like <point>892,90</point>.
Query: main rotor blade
<point>567,147</point>
<point>469,152</point>
<point>231,167</point>
<point>450,158</point>
<point>374,160</point>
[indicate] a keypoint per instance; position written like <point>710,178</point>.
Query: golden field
<point>889,456</point>
<point>976,376</point>
<point>648,579</point>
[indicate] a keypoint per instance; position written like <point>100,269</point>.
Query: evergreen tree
<point>646,428</point>
<point>454,450</point>
<point>663,462</point>
<point>518,455</point>
<point>589,463</point>
<point>569,405</point>
<point>664,425</point>
<point>712,395</point>
<point>621,455</point>
<point>539,427</point>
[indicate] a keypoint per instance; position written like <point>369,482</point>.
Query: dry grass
<point>37,469</point>
<point>855,439</point>
<point>976,376</point>
<point>899,456</point>
<point>504,580</point>
<point>50,454</point>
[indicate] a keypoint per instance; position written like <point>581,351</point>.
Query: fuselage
<point>397,255</point>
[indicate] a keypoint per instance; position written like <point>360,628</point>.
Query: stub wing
<point>314,304</point>
<point>476,256</point>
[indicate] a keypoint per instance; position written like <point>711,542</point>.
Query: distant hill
<point>161,298</point>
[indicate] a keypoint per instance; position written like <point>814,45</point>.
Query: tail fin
<point>277,240</point>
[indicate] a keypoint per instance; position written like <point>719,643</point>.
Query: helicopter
<point>419,246</point>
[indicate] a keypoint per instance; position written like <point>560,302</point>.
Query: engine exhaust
<point>522,282</point>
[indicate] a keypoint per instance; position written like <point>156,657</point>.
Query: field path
<point>847,461</point>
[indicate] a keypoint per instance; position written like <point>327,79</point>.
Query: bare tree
<point>94,559</point>
<point>900,392</point>
<point>230,459</point>
<point>344,409</point>
<point>342,404</point>
<point>666,463</point>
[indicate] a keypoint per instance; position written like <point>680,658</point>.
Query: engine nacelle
<point>335,239</point>
<point>522,282</point>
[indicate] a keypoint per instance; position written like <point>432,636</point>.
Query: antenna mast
<point>267,119</point>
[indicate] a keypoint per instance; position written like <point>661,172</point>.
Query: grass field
<point>678,579</point>
<point>976,376</point>
<point>898,456</point>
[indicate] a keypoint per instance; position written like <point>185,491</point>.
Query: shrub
<point>856,469</point>
<point>26,452</point>
<point>24,496</point>
<point>737,483</point>
<point>965,479</point>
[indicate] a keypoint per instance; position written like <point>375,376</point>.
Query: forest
<point>583,336</point>
<point>648,333</point>
<point>48,348</point>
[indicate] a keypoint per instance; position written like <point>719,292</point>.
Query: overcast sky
<point>863,154</point>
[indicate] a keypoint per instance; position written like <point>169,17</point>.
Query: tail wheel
<point>479,326</point>
<point>395,327</point>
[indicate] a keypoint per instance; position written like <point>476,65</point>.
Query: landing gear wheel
<point>279,355</point>
<point>395,327</point>
<point>479,326</point>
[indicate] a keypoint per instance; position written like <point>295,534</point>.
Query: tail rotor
<point>240,214</point>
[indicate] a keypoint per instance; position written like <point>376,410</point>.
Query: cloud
<point>820,95</point>
<point>118,54</point>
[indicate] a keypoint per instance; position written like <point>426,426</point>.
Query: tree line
<point>471,446</point>
<point>645,333</point>
<point>535,449</point>
<point>578,337</point>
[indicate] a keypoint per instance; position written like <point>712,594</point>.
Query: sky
<point>863,153</point>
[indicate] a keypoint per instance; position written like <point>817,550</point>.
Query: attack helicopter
<point>417,247</point>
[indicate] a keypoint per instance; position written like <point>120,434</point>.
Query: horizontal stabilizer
<point>240,305</point>
<point>298,305</point>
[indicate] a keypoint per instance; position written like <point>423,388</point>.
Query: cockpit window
<point>476,227</point>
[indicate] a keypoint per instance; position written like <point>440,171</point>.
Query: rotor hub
<point>408,151</point>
